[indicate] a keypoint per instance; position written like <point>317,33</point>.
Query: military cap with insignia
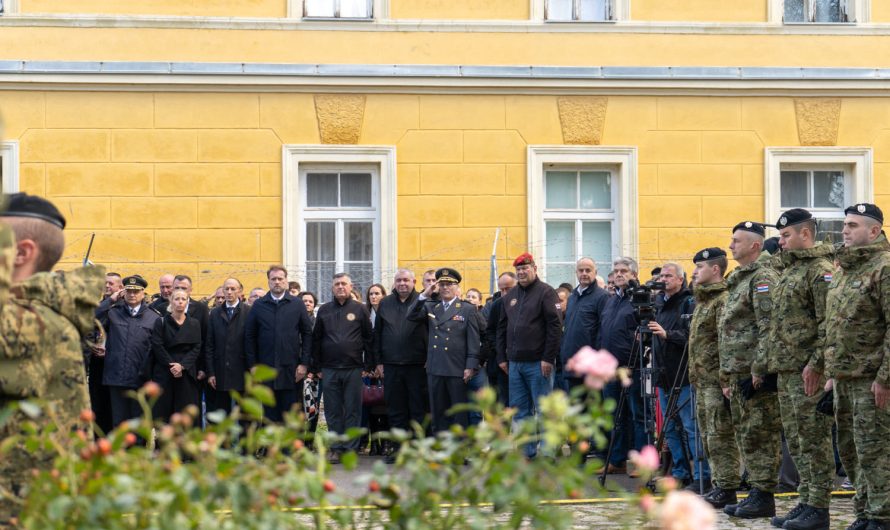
<point>135,282</point>
<point>448,275</point>
<point>524,259</point>
<point>771,245</point>
<point>750,226</point>
<point>866,210</point>
<point>24,205</point>
<point>793,217</point>
<point>707,254</point>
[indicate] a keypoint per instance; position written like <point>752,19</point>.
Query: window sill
<point>337,19</point>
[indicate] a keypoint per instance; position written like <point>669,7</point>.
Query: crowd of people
<point>790,345</point>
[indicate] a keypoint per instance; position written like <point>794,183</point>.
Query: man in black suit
<point>453,346</point>
<point>226,360</point>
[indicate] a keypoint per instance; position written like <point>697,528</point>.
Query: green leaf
<point>262,373</point>
<point>264,394</point>
<point>32,410</point>
<point>217,416</point>
<point>349,460</point>
<point>253,408</point>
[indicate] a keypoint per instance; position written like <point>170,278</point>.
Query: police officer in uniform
<point>798,356</point>
<point>743,340</point>
<point>857,358</point>
<point>453,346</point>
<point>712,413</point>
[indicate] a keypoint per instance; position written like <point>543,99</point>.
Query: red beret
<point>524,259</point>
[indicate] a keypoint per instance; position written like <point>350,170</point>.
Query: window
<point>578,10</point>
<point>339,215</point>
<point>819,11</point>
<point>582,202</point>
<point>9,166</point>
<point>824,180</point>
<point>356,9</point>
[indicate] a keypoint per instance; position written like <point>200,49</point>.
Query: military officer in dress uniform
<point>453,347</point>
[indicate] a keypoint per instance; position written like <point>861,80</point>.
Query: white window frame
<point>858,12</point>
<point>855,161</point>
<point>297,159</point>
<point>10,7</point>
<point>379,11</point>
<point>622,161</point>
<point>9,151</point>
<point>620,11</point>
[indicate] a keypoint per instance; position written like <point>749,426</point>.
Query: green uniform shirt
<point>704,358</point>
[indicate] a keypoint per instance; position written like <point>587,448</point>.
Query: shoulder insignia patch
<point>762,288</point>
<point>513,302</point>
<point>827,277</point>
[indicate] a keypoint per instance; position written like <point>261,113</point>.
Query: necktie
<point>134,311</point>
<point>230,311</point>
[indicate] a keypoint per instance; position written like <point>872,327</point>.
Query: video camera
<point>642,298</point>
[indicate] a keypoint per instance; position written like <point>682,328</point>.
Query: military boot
<point>858,524</point>
<point>760,504</point>
<point>718,497</point>
<point>812,519</point>
<point>874,524</point>
<point>793,514</point>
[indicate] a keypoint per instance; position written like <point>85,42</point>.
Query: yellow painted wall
<point>459,9</point>
<point>699,10</point>
<point>193,8</point>
<point>192,182</point>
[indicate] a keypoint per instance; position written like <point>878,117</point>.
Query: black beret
<point>135,282</point>
<point>750,226</point>
<point>793,217</point>
<point>867,210</point>
<point>771,245</point>
<point>24,205</point>
<point>448,275</point>
<point>708,254</point>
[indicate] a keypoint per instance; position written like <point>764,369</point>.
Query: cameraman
<point>670,331</point>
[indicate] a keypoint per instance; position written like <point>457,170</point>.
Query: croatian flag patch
<point>828,277</point>
<point>762,288</point>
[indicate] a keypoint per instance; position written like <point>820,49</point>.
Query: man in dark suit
<point>226,361</point>
<point>453,346</point>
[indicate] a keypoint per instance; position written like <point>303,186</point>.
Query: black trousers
<point>100,396</point>
<point>178,393</point>
<point>218,400</point>
<point>284,402</point>
<point>406,394</point>
<point>446,392</point>
<point>123,407</point>
<point>497,379</point>
<point>342,393</point>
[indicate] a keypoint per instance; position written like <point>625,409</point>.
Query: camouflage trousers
<point>863,442</point>
<point>718,437</point>
<point>759,431</point>
<point>808,434</point>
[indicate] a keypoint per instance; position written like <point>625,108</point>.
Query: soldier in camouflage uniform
<point>798,356</point>
<point>858,359</point>
<point>714,419</point>
<point>744,343</point>
<point>42,318</point>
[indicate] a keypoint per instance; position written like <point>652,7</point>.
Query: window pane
<point>355,189</point>
<point>596,242</point>
<point>558,273</point>
<point>321,189</point>
<point>831,228</point>
<point>359,241</point>
<point>559,9</point>
<point>318,279</point>
<point>320,8</point>
<point>562,187</point>
<point>362,275</point>
<point>794,11</point>
<point>596,190</point>
<point>828,189</point>
<point>321,241</point>
<point>560,241</point>
<point>354,9</point>
<point>593,10</point>
<point>828,10</point>
<point>795,189</point>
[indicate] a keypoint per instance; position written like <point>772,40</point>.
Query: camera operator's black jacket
<point>669,353</point>
<point>617,327</point>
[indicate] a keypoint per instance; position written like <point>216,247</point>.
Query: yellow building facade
<point>216,137</point>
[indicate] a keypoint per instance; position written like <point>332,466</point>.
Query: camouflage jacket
<point>744,322</point>
<point>41,323</point>
<point>857,312</point>
<point>704,359</point>
<point>797,331</point>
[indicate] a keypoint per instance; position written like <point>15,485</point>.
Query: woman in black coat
<point>175,349</point>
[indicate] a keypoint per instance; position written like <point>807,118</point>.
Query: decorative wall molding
<point>582,119</point>
<point>818,120</point>
<point>339,118</point>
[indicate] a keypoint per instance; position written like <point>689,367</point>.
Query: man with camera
<point>670,331</point>
<point>744,345</point>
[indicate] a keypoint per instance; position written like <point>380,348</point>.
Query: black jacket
<point>278,334</point>
<point>398,340</point>
<point>669,353</point>
<point>174,343</point>
<point>225,356</point>
<point>582,320</point>
<point>343,337</point>
<point>530,326</point>
<point>618,324</point>
<point>492,314</point>
<point>128,343</point>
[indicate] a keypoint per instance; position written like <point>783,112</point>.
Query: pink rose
<point>645,460</point>
<point>597,366</point>
<point>684,510</point>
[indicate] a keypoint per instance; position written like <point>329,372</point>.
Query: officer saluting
<point>453,348</point>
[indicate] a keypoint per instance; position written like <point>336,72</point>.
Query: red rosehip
<point>328,486</point>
